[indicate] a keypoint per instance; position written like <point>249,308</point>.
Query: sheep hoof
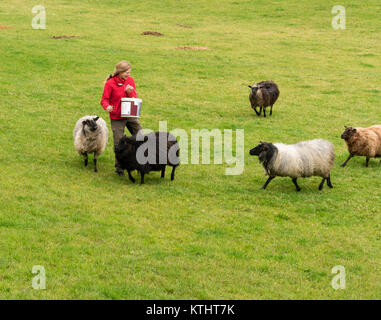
<point>298,190</point>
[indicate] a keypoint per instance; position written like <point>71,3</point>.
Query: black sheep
<point>262,95</point>
<point>150,152</point>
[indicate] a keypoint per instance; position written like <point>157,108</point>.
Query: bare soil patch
<point>184,26</point>
<point>152,33</point>
<point>3,27</point>
<point>64,37</point>
<point>192,48</point>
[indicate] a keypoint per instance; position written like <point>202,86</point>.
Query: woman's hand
<point>129,89</point>
<point>109,109</point>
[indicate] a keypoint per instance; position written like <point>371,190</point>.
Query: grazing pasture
<point>204,235</point>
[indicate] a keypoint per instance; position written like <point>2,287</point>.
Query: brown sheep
<point>262,95</point>
<point>363,142</point>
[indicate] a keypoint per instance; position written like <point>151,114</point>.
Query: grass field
<point>205,235</point>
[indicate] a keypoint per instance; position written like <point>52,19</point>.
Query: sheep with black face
<point>149,152</point>
<point>304,159</point>
<point>90,136</point>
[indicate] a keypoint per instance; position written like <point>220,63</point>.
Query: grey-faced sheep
<point>363,142</point>
<point>262,95</point>
<point>304,159</point>
<point>90,136</point>
<point>150,152</point>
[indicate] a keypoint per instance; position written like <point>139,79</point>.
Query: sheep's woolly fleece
<point>304,159</point>
<point>365,142</point>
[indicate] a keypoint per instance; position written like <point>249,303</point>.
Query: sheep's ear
<point>96,118</point>
<point>250,87</point>
<point>84,122</point>
<point>354,130</point>
<point>345,127</point>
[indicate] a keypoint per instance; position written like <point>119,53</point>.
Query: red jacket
<point>114,91</point>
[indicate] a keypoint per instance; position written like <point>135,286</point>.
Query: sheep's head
<point>126,145</point>
<point>91,124</point>
<point>127,148</point>
<point>262,147</point>
<point>254,88</point>
<point>348,133</point>
<point>264,150</point>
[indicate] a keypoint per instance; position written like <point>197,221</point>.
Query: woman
<point>120,85</point>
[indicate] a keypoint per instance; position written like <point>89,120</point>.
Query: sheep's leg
<point>163,172</point>
<point>271,110</point>
<point>141,177</point>
<point>130,176</point>
<point>86,159</point>
<point>322,184</point>
<point>345,162</point>
<point>264,112</point>
<point>173,173</point>
<point>258,113</point>
<point>367,162</point>
<point>260,110</point>
<point>267,182</point>
<point>294,180</point>
<point>95,162</point>
<point>329,183</point>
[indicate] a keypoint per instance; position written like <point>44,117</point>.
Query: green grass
<point>205,235</point>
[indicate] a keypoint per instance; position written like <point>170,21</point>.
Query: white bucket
<point>130,107</point>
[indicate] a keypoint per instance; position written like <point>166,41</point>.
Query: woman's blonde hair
<point>120,67</point>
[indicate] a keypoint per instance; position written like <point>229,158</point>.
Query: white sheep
<point>304,159</point>
<point>90,136</point>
